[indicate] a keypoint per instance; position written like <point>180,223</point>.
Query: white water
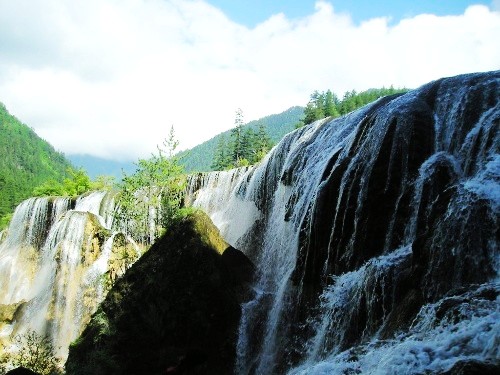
<point>52,267</point>
<point>432,345</point>
<point>282,192</point>
<point>233,214</point>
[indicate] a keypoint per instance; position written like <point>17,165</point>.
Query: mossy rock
<point>178,307</point>
<point>7,312</point>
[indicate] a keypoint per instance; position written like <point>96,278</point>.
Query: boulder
<point>176,310</point>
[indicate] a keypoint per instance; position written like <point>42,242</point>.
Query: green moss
<point>207,231</point>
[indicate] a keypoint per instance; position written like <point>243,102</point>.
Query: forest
<point>327,104</point>
<point>26,162</point>
<point>244,147</point>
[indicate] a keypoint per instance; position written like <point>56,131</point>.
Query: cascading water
<point>374,236</point>
<point>52,262</point>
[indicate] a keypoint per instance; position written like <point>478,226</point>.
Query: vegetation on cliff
<point>245,146</point>
<point>76,184</point>
<point>36,355</point>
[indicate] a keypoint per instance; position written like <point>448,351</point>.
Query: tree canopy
<point>245,146</point>
<point>150,199</point>
<point>327,104</point>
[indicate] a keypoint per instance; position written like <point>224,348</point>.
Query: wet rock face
<point>365,224</point>
<point>177,308</point>
<point>402,182</point>
<point>362,207</point>
<point>473,368</point>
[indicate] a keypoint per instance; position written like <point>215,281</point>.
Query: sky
<point>110,77</point>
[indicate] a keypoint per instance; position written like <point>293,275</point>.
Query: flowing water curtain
<point>366,225</point>
<point>53,261</point>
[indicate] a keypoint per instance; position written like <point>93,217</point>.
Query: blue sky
<point>252,12</point>
<point>109,77</point>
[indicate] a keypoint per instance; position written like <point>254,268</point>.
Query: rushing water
<point>52,260</point>
<point>374,236</point>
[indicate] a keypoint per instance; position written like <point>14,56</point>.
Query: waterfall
<point>374,236</point>
<point>53,258</point>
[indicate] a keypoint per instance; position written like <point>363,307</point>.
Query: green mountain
<point>26,162</point>
<point>200,158</point>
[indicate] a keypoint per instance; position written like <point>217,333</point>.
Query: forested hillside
<point>204,157</point>
<point>200,158</point>
<point>26,162</point>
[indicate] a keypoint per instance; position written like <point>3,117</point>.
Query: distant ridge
<point>96,166</point>
<point>199,158</point>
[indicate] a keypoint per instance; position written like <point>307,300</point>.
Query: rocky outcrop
<point>176,310</point>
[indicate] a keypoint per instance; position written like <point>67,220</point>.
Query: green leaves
<point>150,199</point>
<point>76,184</point>
<point>36,353</point>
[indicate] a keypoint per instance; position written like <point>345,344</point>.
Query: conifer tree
<point>330,104</point>
<point>262,144</point>
<point>245,147</point>
<point>222,155</point>
<point>237,137</point>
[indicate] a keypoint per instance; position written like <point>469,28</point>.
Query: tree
<point>77,184</point>
<point>149,200</point>
<point>315,109</point>
<point>237,144</point>
<point>327,104</point>
<point>262,143</point>
<point>330,104</point>
<point>36,353</point>
<point>245,147</point>
<point>222,157</point>
<point>103,182</point>
<point>248,142</point>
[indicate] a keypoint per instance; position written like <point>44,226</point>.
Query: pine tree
<point>263,143</point>
<point>221,158</point>
<point>330,105</point>
<point>248,145</point>
<point>237,137</point>
<point>315,109</point>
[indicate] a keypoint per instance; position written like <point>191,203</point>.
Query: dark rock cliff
<point>175,311</point>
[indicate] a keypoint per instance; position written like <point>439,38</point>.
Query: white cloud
<point>110,77</point>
